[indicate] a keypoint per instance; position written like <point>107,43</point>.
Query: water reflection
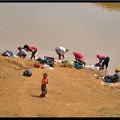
<point>109,6</point>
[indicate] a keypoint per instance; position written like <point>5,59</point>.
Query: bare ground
<point>71,92</point>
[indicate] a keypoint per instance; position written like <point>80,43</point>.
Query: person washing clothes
<point>31,48</point>
<point>22,52</point>
<point>61,52</point>
<point>103,60</point>
<point>9,53</point>
<point>79,57</point>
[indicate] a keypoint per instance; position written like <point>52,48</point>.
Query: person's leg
<point>19,55</point>
<point>105,62</point>
<point>44,91</point>
<point>59,53</point>
<point>33,55</point>
<point>108,80</point>
<point>24,56</point>
<point>60,57</point>
<point>102,68</point>
<point>41,95</point>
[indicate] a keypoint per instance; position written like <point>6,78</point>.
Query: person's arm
<point>100,60</point>
<point>33,50</point>
<point>75,57</point>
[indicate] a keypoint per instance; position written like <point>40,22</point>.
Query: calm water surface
<point>82,27</point>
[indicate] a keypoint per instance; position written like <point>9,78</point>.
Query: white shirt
<point>62,49</point>
<point>23,51</point>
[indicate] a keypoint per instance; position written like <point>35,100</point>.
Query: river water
<point>84,27</point>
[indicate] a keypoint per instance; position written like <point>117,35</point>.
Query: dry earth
<point>71,92</point>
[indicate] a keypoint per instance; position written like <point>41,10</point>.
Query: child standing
<point>43,86</point>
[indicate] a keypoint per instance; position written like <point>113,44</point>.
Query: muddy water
<point>84,27</point>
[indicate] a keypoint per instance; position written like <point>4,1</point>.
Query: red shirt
<point>31,48</point>
<point>44,81</point>
<point>79,56</point>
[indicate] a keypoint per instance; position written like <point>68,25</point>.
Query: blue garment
<point>8,52</point>
<point>108,79</point>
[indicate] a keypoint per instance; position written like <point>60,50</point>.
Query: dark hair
<point>19,48</point>
<point>25,46</point>
<point>84,63</point>
<point>45,74</point>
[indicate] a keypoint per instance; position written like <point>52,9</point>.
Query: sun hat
<point>117,69</point>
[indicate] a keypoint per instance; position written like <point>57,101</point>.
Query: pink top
<point>101,58</point>
<point>79,56</point>
<point>31,48</point>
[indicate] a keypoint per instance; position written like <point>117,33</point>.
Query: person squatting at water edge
<point>79,57</point>
<point>31,48</point>
<point>103,60</point>
<point>22,52</point>
<point>113,78</point>
<point>43,86</point>
<point>61,52</point>
<point>9,53</point>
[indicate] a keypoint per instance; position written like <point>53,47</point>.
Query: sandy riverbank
<point>71,92</point>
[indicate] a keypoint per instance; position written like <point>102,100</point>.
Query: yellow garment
<point>68,63</point>
<point>55,62</point>
<point>117,70</point>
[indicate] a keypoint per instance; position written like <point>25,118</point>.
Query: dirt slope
<point>71,92</point>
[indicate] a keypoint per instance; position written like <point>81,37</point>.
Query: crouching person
<point>79,58</point>
<point>113,78</point>
<point>22,52</point>
<point>9,53</point>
